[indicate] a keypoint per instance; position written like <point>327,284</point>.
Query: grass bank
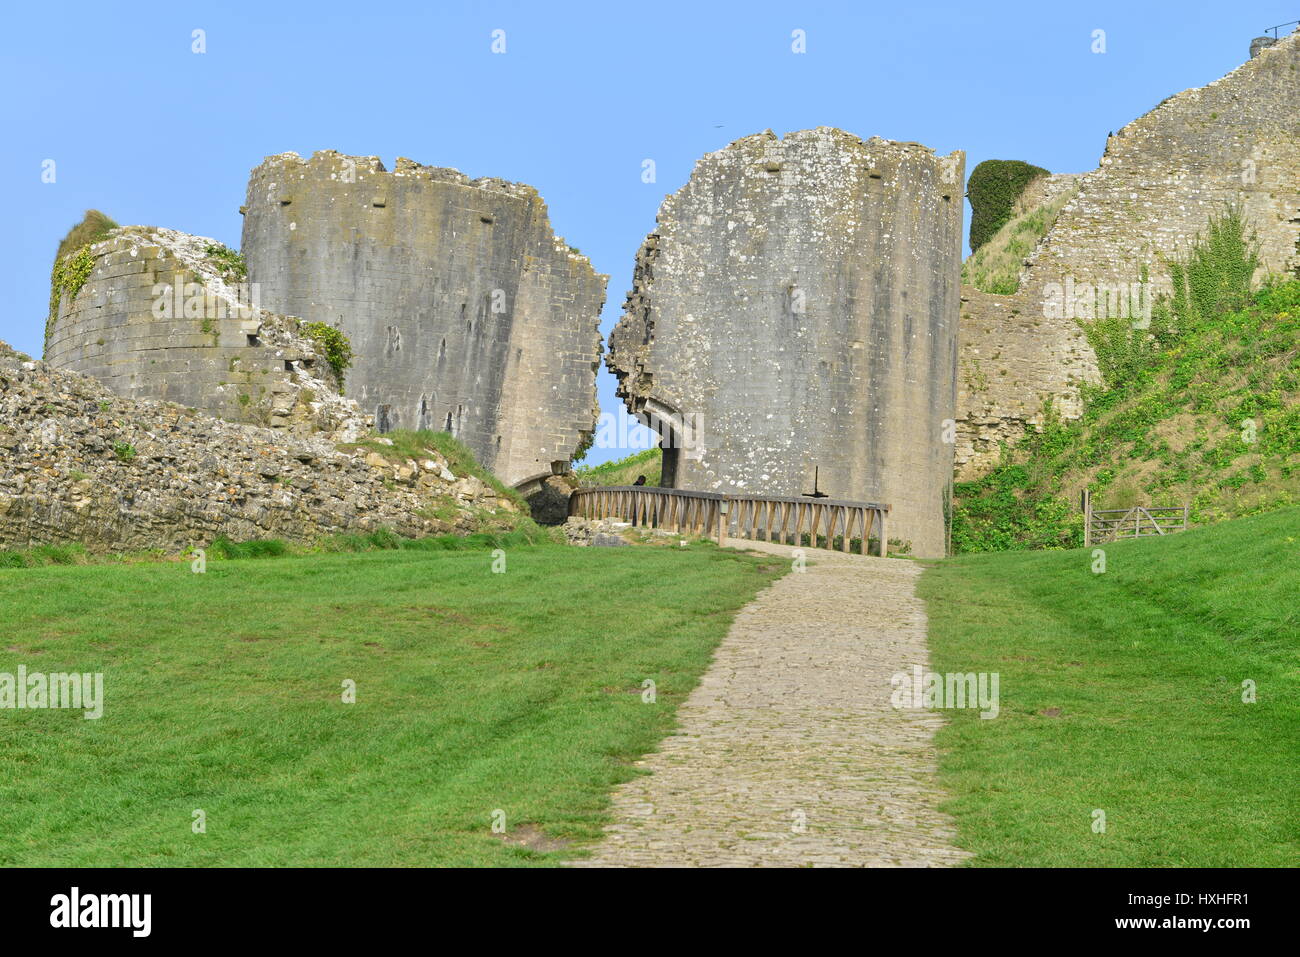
<point>1122,692</point>
<point>624,471</point>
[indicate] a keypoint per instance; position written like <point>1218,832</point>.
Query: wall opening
<point>666,422</point>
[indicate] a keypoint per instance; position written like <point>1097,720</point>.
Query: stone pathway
<point>789,752</point>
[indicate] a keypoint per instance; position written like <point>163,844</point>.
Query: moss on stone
<point>73,261</point>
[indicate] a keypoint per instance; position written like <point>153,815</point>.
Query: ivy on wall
<point>1201,405</point>
<point>73,262</point>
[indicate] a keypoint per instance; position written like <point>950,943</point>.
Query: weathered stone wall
<point>1161,178</point>
<point>799,298</point>
<point>155,319</point>
<point>1043,190</point>
<point>78,463</point>
<point>466,313</point>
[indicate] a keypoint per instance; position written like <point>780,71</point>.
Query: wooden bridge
<point>795,521</point>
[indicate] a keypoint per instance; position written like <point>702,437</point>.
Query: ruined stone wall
<point>799,299</point>
<point>466,313</point>
<point>155,319</point>
<point>79,463</point>
<point>1161,178</point>
<point>1043,190</point>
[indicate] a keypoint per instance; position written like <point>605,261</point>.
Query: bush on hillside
<point>993,188</point>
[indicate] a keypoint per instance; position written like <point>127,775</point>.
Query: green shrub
<point>229,263</point>
<point>993,188</point>
<point>66,279</point>
<point>93,228</point>
<point>337,348</point>
<point>125,451</point>
<point>1215,276</point>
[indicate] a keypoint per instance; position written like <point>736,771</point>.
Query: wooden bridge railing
<point>795,521</point>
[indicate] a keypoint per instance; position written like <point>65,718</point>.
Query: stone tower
<point>465,312</point>
<point>798,303</point>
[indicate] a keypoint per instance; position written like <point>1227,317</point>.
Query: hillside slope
<point>624,471</point>
<point>1207,413</point>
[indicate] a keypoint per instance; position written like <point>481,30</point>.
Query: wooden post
<point>722,521</point>
<point>884,533</point>
<point>1085,502</point>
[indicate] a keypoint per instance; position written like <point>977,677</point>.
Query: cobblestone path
<point>789,752</point>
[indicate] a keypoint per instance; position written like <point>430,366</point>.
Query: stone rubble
<point>80,464</point>
<point>610,532</point>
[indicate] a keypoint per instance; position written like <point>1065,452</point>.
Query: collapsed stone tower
<point>465,312</point>
<point>153,313</point>
<point>796,311</point>
<point>1161,178</point>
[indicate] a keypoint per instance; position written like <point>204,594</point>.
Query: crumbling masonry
<point>465,312</point>
<point>798,302</point>
<point>1160,179</point>
<point>155,318</point>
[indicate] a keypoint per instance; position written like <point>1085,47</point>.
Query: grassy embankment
<point>1200,405</point>
<point>1122,692</point>
<point>624,471</point>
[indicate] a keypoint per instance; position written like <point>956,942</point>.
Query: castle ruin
<point>796,321</point>
<point>1160,179</point>
<point>465,312</point>
<point>158,316</point>
<point>796,309</point>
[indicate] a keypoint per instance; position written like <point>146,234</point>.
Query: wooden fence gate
<point>1140,521</point>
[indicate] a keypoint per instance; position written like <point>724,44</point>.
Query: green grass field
<point>1122,692</point>
<point>475,692</point>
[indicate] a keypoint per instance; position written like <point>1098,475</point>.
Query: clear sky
<point>150,132</point>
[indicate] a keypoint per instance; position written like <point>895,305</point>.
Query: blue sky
<point>150,132</point>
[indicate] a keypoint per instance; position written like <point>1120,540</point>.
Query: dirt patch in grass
<point>533,839</point>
